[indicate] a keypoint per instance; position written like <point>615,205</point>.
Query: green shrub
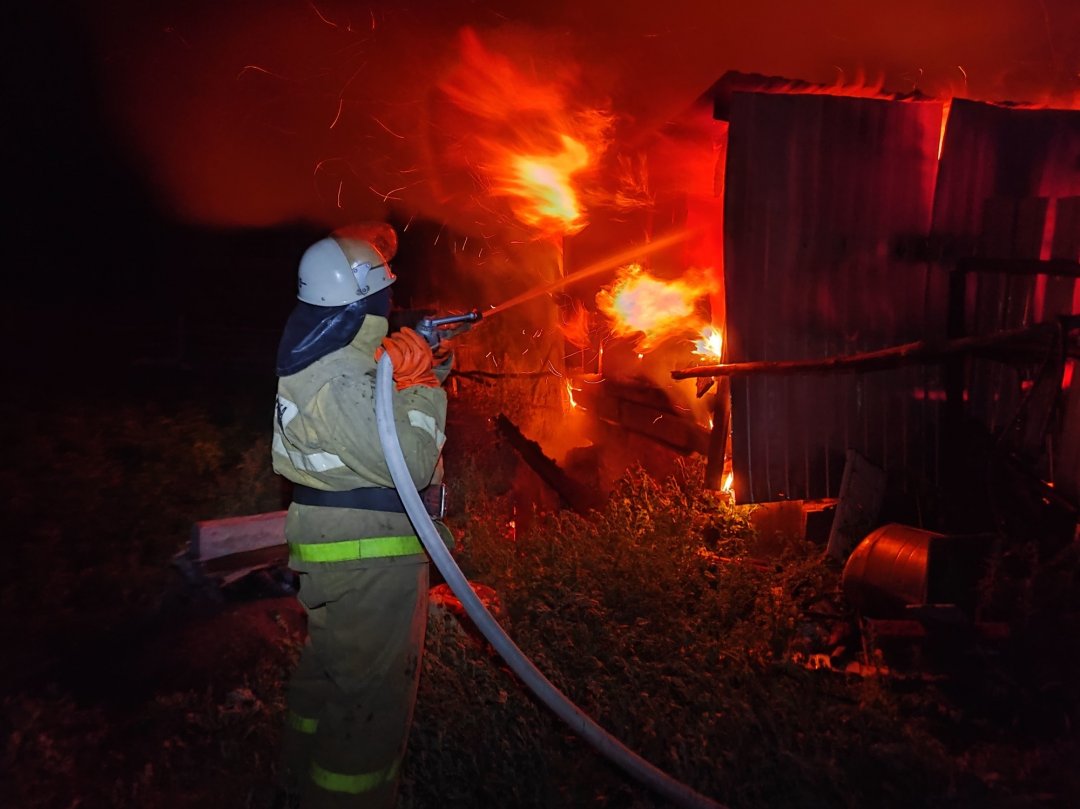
<point>682,652</point>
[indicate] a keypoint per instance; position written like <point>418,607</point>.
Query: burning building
<point>625,212</point>
<point>848,280</point>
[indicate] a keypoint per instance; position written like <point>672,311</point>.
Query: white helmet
<point>340,269</point>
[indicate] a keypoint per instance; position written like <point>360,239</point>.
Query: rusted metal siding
<point>821,192</point>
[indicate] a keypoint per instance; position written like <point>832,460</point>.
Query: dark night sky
<point>126,120</point>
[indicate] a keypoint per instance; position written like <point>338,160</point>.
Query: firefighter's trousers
<point>351,698</point>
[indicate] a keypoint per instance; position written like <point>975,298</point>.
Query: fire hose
<point>606,744</point>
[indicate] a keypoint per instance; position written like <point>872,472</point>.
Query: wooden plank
<point>211,539</point>
<point>1030,340</point>
<point>575,496</point>
<point>862,490</point>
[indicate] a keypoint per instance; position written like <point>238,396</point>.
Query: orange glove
<point>412,359</point>
<point>443,352</point>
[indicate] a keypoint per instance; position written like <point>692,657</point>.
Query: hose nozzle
<point>437,329</point>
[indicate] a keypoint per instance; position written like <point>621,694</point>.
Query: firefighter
<point>363,573</point>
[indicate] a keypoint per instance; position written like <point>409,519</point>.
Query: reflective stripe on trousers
<point>353,784</point>
<point>349,550</point>
<point>335,781</point>
<point>301,724</point>
<point>357,676</point>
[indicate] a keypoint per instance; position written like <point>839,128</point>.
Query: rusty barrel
<point>888,570</point>
<point>897,566</point>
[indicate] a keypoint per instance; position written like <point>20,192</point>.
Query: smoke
<point>330,112</point>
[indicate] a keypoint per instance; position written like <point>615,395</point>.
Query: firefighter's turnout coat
<point>363,574</point>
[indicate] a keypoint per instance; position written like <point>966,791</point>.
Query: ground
<point>127,686</point>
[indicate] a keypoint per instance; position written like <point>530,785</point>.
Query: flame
<point>528,142</point>
<point>710,344</point>
<point>857,86</point>
<point>641,303</point>
<point>541,188</point>
<point>576,327</point>
<point>729,482</point>
<point>570,395</point>
<point>945,108</point>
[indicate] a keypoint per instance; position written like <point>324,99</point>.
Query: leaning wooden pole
<point>1036,338</point>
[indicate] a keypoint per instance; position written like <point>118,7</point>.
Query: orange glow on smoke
<point>641,303</point>
<point>528,142</point>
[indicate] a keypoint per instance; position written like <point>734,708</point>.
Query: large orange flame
<point>541,185</point>
<point>710,344</point>
<point>529,144</point>
<point>640,303</point>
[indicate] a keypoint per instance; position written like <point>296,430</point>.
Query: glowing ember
<point>710,344</point>
<point>641,303</point>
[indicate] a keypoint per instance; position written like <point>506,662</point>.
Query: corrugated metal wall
<point>822,194</point>
<point>1009,189</point>
<point>825,197</point>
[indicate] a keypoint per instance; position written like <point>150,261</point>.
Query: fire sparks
<point>641,303</point>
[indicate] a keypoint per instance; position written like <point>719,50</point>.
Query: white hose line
<point>545,690</point>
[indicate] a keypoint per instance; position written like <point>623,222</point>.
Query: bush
<point>648,613</point>
<point>683,653</point>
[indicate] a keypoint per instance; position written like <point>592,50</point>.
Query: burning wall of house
<point>540,140</point>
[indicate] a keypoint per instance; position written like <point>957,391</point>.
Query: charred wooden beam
<point>719,437</point>
<point>572,493</point>
<point>639,407</point>
<point>1034,340</point>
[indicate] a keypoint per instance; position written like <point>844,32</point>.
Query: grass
<point>123,689</point>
